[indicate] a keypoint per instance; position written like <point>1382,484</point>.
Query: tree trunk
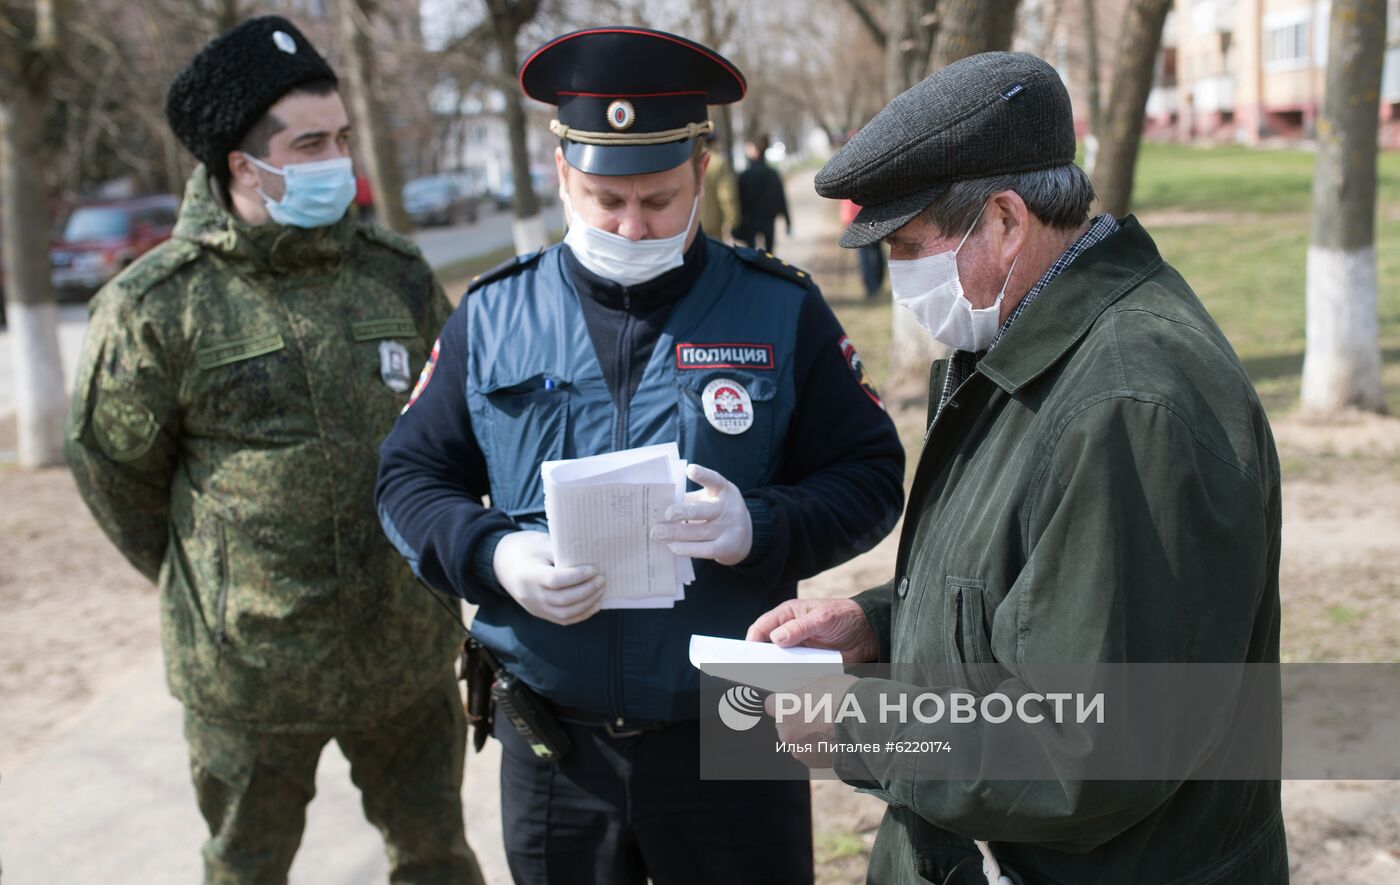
<point>528,227</point>
<point>1342,364</point>
<point>964,27</point>
<point>32,314</point>
<point>1093,81</point>
<point>373,135</point>
<point>1127,105</point>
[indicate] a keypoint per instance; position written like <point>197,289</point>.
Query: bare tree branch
<point>868,20</point>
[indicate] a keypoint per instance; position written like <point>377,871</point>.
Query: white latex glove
<point>713,523</point>
<point>524,566</point>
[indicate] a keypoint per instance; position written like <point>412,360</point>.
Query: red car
<point>101,238</point>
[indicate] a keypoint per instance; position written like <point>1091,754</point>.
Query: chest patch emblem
<point>728,406</point>
<point>393,366</point>
<point>724,356</point>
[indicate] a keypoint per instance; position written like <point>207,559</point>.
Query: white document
<point>600,512</point>
<point>762,664</point>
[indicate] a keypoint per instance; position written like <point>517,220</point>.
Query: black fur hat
<point>232,82</point>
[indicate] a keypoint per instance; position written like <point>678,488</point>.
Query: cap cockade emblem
<point>621,115</point>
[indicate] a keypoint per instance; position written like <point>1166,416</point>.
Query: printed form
<point>600,512</point>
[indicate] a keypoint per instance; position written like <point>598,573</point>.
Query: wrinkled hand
<point>713,523</point>
<point>804,730</point>
<point>524,565</point>
<point>820,623</point>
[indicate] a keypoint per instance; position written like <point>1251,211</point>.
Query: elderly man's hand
<point>804,730</point>
<point>820,623</point>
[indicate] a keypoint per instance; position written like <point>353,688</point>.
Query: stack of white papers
<point>601,510</point>
<point>762,664</point>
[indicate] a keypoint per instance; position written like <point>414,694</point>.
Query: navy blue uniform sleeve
<point>840,487</point>
<point>432,479</point>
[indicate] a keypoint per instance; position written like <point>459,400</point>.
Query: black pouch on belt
<point>478,672</point>
<point>533,721</point>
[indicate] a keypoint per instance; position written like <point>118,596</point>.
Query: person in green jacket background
<point>233,390</point>
<point>719,207</point>
<point>1098,484</point>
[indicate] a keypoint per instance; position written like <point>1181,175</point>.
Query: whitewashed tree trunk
<point>530,234</point>
<point>40,399</point>
<point>1342,363</point>
<point>1342,368</point>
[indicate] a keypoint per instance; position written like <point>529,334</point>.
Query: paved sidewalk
<point>110,801</point>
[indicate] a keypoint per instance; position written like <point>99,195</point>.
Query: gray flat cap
<point>988,114</point>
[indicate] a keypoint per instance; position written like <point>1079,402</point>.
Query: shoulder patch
<point>391,239</point>
<point>155,267</point>
<point>503,270</point>
<point>771,263</point>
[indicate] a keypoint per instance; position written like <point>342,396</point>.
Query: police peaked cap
<point>630,100</point>
<point>231,83</point>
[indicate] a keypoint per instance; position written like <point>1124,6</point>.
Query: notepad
<point>600,511</point>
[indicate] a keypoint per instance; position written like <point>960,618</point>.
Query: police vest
<point>536,393</point>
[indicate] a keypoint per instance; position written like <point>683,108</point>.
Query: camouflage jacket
<point>233,390</point>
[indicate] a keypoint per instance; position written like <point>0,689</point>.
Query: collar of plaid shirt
<point>962,363</point>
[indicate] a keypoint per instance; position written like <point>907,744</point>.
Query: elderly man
<point>1098,485</point>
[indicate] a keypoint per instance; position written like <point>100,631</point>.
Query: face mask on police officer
<point>614,257</point>
<point>930,287</point>
<point>316,194</point>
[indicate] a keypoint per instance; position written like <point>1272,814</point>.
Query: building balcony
<point>1213,94</point>
<point>1213,17</point>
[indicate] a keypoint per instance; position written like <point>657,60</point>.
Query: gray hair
<point>1059,197</point>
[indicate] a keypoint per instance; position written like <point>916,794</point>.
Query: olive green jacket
<point>233,390</point>
<point>1104,488</point>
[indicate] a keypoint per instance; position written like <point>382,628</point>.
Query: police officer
<point>233,390</point>
<point>637,330</point>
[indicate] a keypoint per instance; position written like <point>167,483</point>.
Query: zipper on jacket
<point>615,666</point>
<point>624,386</point>
<point>221,602</point>
<point>623,375</point>
<point>958,629</point>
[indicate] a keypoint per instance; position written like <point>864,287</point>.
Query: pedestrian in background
<point>762,199</point>
<point>871,257</point>
<point>719,207</point>
<point>233,390</point>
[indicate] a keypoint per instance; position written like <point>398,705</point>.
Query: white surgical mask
<point>930,287</point>
<point>614,257</point>
<point>317,194</point>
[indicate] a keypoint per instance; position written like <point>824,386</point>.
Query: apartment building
<point>1255,71</point>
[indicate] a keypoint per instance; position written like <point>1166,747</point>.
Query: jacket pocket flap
<point>524,381</point>
<point>759,387</point>
<point>391,327</point>
<point>241,349</point>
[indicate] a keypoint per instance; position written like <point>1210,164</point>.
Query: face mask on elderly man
<point>930,287</point>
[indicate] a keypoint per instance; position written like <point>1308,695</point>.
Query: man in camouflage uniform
<point>234,387</point>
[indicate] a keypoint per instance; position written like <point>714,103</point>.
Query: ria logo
<point>741,707</point>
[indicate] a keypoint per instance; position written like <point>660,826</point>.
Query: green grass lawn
<point>1244,250</point>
